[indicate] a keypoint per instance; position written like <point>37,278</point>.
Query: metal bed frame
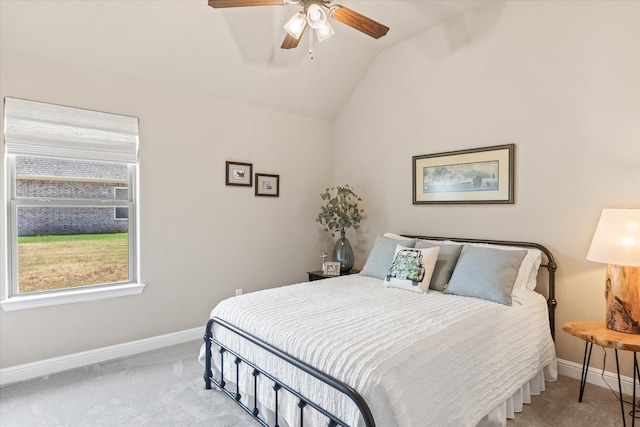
<point>346,390</point>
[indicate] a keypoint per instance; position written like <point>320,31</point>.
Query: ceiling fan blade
<point>359,22</point>
<point>239,3</point>
<point>291,42</point>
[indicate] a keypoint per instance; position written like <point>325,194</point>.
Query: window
<point>121,193</point>
<point>72,201</point>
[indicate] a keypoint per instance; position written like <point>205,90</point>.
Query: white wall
<point>200,240</point>
<point>561,80</point>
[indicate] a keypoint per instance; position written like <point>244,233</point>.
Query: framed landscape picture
<point>267,185</point>
<point>239,174</point>
<point>480,175</point>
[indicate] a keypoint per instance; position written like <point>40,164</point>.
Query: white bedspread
<point>418,360</point>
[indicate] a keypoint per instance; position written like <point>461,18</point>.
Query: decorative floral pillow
<point>412,268</point>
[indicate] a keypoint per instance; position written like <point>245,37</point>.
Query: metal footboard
<point>278,385</point>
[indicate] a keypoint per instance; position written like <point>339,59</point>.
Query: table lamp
<point>616,242</point>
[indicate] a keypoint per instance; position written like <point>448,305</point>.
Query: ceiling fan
<point>314,15</point>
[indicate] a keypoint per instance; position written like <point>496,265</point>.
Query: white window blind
<point>37,128</point>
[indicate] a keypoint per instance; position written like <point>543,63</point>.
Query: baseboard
<point>595,376</point>
<point>58,364</point>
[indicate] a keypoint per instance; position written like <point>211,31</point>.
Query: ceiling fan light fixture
<point>296,25</point>
<point>325,31</point>
<point>316,16</point>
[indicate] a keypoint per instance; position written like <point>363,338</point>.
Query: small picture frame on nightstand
<point>332,268</point>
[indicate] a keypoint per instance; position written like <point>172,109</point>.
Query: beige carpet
<point>165,388</point>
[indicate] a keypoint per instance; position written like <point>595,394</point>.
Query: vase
<point>343,252</point>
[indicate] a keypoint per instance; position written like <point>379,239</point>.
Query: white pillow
<point>395,236</point>
<point>412,269</point>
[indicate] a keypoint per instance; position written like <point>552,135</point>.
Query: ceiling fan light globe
<point>325,31</point>
<point>316,16</point>
<point>296,25</point>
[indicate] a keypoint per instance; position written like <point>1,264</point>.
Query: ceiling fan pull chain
<point>310,46</point>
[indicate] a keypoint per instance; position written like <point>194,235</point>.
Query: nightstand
<point>319,275</point>
<point>597,333</point>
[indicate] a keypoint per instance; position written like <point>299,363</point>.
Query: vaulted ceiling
<point>232,54</point>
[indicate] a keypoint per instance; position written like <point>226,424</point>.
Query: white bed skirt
<point>496,418</point>
<point>507,410</point>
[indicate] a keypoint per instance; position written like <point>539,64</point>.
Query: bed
<point>363,350</point>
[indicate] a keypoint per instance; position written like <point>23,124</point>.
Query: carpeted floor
<point>165,388</point>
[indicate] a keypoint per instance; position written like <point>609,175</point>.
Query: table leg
<point>624,420</point>
<point>636,374</point>
<point>585,368</point>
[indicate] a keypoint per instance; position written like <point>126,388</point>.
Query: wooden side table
<point>597,333</point>
<point>319,275</point>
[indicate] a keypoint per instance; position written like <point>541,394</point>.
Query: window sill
<point>26,302</point>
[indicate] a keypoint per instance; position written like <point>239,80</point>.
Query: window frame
<point>11,299</point>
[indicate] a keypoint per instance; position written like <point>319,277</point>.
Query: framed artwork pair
<point>241,174</point>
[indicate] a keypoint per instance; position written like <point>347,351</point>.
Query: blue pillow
<point>447,258</point>
<point>382,254</point>
<point>485,273</point>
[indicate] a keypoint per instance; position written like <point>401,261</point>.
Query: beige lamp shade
<point>617,238</point>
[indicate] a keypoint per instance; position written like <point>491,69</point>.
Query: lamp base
<point>622,293</point>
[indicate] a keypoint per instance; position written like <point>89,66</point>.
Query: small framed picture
<point>239,174</point>
<point>332,268</point>
<point>267,185</point>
